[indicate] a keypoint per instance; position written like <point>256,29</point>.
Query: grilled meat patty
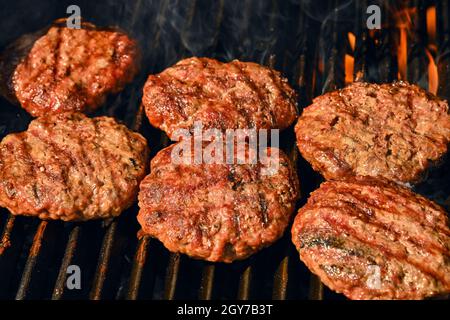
<point>216,212</point>
<point>395,131</point>
<point>61,69</point>
<point>71,167</point>
<point>220,95</point>
<point>372,239</point>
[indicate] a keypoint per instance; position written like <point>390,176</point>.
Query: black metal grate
<point>306,40</point>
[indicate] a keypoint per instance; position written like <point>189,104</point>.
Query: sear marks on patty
<point>71,167</point>
<point>62,69</point>
<point>395,131</point>
<point>216,212</point>
<point>372,239</point>
<point>221,95</point>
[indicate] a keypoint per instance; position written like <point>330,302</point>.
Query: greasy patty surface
<point>372,239</point>
<point>216,212</point>
<point>395,131</point>
<point>71,167</point>
<point>220,95</point>
<point>69,69</point>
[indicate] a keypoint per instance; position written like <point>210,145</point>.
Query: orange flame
<point>349,67</point>
<point>433,77</point>
<point>431,25</point>
<point>349,60</point>
<point>352,40</point>
<point>402,54</point>
<point>404,22</point>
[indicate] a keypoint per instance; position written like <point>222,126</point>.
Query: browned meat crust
<point>351,231</point>
<point>220,95</point>
<point>71,167</point>
<point>61,69</point>
<point>216,212</point>
<point>395,131</point>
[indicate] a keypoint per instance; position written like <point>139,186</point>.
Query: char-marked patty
<point>216,212</point>
<point>372,239</point>
<point>395,131</point>
<point>62,69</point>
<point>71,167</point>
<point>220,95</point>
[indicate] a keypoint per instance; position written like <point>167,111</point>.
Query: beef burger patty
<point>220,95</point>
<point>71,167</point>
<point>395,131</point>
<point>372,239</point>
<point>216,212</point>
<point>62,69</point>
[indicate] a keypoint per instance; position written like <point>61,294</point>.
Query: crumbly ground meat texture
<point>68,69</point>
<point>71,167</point>
<point>372,239</point>
<point>396,131</point>
<point>216,212</point>
<point>220,95</point>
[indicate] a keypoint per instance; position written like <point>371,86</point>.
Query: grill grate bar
<point>71,247</point>
<point>207,282</point>
<point>138,267</point>
<point>172,276</point>
<point>103,262</point>
<point>6,235</point>
<point>281,278</point>
<point>245,283</point>
<point>31,261</point>
<point>315,288</point>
